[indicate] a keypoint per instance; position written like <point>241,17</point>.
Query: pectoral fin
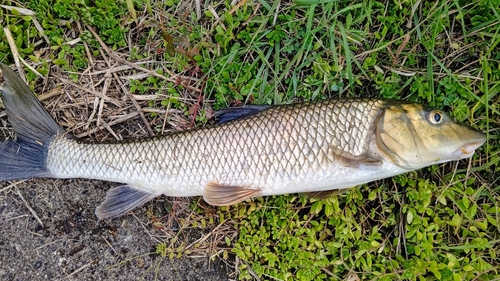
<point>225,195</point>
<point>121,200</point>
<point>355,161</point>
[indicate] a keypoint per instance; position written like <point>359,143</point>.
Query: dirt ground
<point>73,245</point>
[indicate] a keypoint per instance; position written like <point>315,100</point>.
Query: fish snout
<point>468,149</point>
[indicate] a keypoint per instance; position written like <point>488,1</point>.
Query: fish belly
<point>334,176</point>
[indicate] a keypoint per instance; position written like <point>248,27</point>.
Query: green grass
<point>439,223</point>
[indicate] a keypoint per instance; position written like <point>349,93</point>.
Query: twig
<point>107,127</point>
<point>15,53</point>
<point>162,97</point>
<point>120,120</point>
<point>107,82</point>
<point>46,244</point>
<point>276,13</point>
<point>11,185</point>
<point>94,111</point>
<point>39,27</point>
<point>413,9</point>
<point>241,3</point>
<point>85,45</point>
<point>365,53</point>
<point>78,270</point>
<point>198,8</point>
<point>31,68</point>
<point>165,118</point>
<point>161,111</point>
<point>29,208</point>
<point>52,93</point>
<point>97,94</point>
<point>109,244</point>
<point>101,106</point>
<point>34,233</point>
<point>15,218</point>
<point>120,68</point>
<point>236,264</point>
<point>137,107</point>
<point>145,229</point>
<point>204,237</point>
<point>22,11</point>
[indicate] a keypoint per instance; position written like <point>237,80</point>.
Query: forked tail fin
<point>26,156</point>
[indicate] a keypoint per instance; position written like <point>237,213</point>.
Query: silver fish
<point>255,151</point>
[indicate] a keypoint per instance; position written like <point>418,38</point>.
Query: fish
<point>316,147</point>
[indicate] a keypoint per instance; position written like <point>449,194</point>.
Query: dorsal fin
<point>234,113</point>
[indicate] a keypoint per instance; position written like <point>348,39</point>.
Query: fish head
<point>415,136</point>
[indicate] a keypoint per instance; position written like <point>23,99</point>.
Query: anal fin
<point>121,200</point>
<point>224,195</point>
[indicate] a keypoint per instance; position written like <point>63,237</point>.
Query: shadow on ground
<point>73,245</point>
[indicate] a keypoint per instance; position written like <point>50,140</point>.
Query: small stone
<point>140,262</point>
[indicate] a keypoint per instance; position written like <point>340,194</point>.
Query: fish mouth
<point>467,150</point>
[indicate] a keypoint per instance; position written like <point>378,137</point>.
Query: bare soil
<point>69,243</point>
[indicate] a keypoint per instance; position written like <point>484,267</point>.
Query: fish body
<point>255,151</point>
<point>276,151</point>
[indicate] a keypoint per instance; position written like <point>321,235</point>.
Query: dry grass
<point>99,107</point>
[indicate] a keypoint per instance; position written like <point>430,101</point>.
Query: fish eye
<point>435,117</point>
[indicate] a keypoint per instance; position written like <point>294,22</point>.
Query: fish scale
<point>255,150</point>
<point>263,151</point>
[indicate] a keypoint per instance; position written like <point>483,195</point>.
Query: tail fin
<point>25,157</point>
